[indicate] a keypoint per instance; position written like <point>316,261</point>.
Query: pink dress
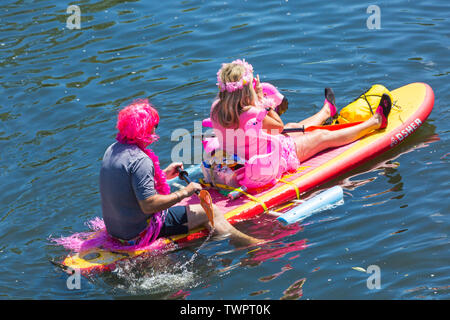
<point>250,141</point>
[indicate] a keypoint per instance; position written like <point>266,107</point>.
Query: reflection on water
<point>62,89</point>
<point>274,250</point>
<point>424,292</point>
<point>276,275</point>
<point>387,168</point>
<point>295,291</point>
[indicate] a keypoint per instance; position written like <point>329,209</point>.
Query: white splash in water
<point>159,274</point>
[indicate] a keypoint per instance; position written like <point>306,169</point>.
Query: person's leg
<point>196,217</point>
<point>311,143</point>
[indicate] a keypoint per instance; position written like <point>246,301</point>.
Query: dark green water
<point>61,90</point>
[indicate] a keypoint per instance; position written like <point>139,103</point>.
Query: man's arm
<point>159,202</point>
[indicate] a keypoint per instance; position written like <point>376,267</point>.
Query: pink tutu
<point>289,153</point>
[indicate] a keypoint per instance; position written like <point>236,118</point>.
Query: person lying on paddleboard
<point>137,204</point>
<point>240,104</point>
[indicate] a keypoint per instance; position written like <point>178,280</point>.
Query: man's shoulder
<point>129,150</point>
<point>128,154</point>
<point>137,158</point>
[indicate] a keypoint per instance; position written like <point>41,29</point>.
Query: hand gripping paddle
<point>331,127</point>
<point>205,197</point>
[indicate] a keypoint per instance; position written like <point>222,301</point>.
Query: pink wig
<point>136,122</point>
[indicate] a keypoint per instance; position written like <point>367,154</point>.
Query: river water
<point>61,89</point>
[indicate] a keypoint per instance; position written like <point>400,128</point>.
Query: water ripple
<point>61,90</point>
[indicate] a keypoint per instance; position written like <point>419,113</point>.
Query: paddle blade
<point>206,203</point>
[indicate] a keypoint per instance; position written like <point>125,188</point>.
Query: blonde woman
<point>241,105</point>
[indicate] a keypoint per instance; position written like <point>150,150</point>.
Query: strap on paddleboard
<point>297,191</point>
<point>253,198</point>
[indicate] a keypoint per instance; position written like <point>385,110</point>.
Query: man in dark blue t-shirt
<point>128,193</point>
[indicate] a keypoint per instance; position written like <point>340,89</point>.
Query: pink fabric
<point>253,144</point>
<point>207,123</point>
<point>289,153</point>
<point>246,78</point>
<point>237,145</point>
<point>332,107</point>
<point>270,91</point>
<point>98,237</point>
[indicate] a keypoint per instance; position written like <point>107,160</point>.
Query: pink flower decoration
<point>233,86</point>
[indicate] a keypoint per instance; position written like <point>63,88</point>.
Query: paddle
<point>64,268</point>
<point>331,127</point>
<point>205,197</point>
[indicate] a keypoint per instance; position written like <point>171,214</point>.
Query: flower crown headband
<point>233,86</point>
